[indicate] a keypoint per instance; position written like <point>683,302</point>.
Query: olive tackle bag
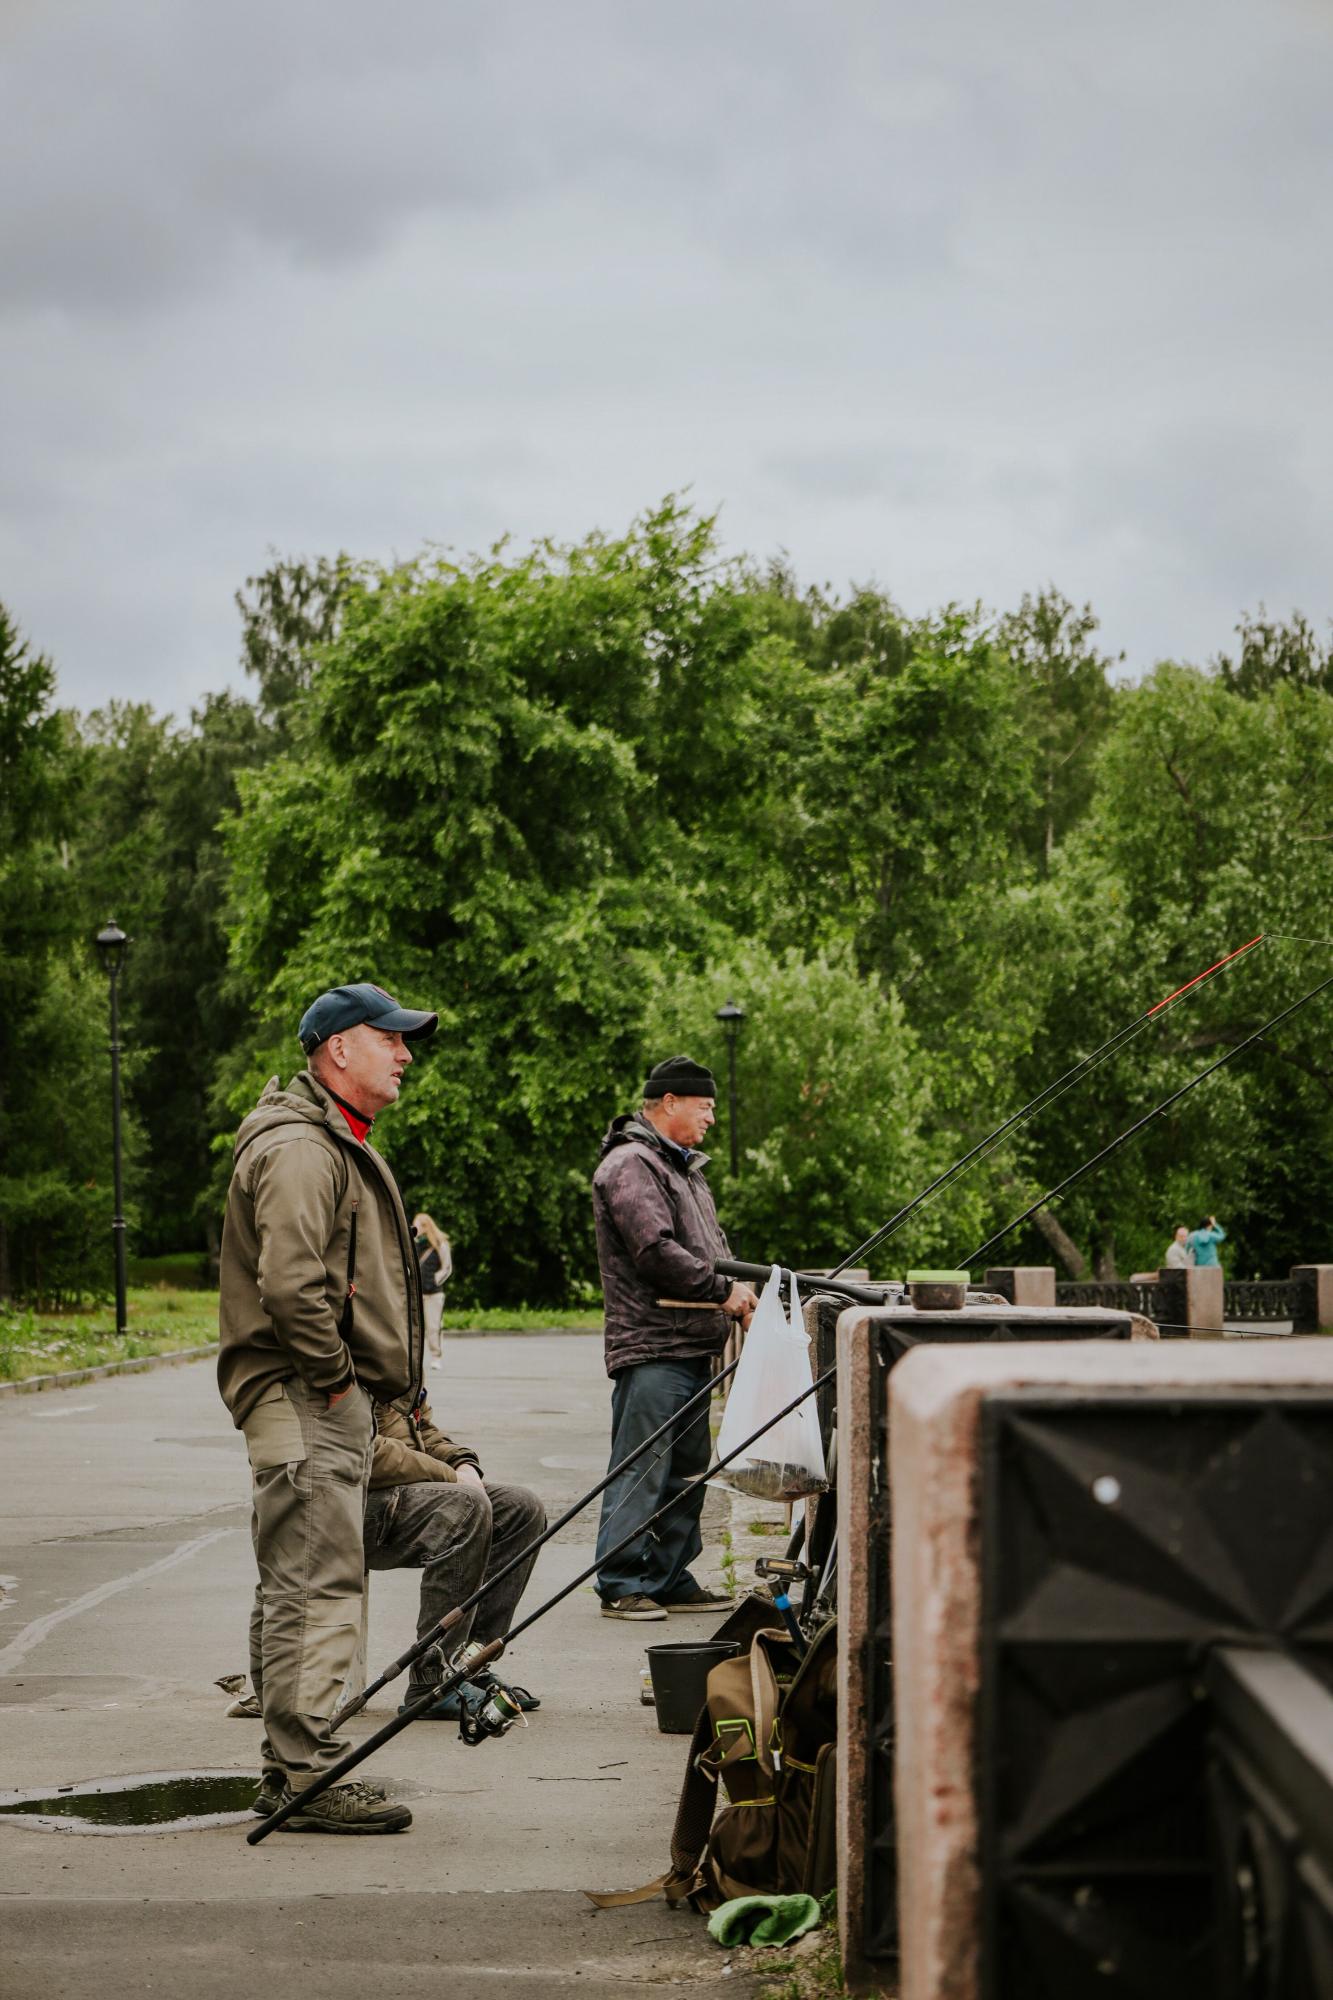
<point>768,1734</point>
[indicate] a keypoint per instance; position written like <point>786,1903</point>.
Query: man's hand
<point>468,1475</point>
<point>740,1303</point>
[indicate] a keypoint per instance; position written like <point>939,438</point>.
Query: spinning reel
<point>485,1708</point>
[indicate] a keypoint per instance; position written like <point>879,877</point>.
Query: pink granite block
<point>936,1396</point>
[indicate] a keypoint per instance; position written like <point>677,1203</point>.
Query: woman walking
<point>436,1262</point>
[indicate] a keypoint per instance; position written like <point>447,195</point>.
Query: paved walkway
<point>126,1572</point>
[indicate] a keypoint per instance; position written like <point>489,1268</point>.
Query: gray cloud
<point>959,299</point>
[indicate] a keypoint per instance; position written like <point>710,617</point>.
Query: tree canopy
<point>577,797</point>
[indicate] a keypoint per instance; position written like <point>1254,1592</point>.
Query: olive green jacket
<point>299,1177</point>
<point>411,1447</point>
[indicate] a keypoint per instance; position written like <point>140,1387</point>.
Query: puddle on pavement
<point>155,1802</point>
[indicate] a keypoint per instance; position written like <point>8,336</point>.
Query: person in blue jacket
<point>1204,1241</point>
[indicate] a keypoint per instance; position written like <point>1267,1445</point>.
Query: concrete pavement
<point>126,1573</point>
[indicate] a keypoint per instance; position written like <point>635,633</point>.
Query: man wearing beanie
<point>657,1239</point>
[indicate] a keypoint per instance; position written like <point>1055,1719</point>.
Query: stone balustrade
<point>1192,1304</point>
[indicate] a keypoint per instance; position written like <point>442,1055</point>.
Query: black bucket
<point>680,1680</point>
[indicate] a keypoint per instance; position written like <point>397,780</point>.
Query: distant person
<point>436,1261</point>
<point>658,1237</point>
<point>1204,1241</point>
<point>1178,1256</point>
<point>319,1318</point>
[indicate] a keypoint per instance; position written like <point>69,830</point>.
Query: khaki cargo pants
<point>309,1468</point>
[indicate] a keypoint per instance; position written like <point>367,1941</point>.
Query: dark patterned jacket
<point>657,1237</point>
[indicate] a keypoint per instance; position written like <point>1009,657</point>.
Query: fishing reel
<point>486,1707</point>
<point>487,1711</point>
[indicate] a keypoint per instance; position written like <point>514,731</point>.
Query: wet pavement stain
<point>153,1802</point>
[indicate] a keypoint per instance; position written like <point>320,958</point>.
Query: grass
<point>522,1319</point>
<point>728,1563</point>
<point>162,1320</point>
<point>165,1319</point>
<point>816,1974</point>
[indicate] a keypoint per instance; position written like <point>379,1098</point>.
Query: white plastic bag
<point>788,1460</point>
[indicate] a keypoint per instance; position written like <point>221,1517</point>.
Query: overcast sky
<point>955,298</point>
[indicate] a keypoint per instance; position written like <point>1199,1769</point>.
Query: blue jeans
<point>655,1562</point>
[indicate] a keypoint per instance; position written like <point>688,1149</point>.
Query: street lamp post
<point>731,1017</point>
<point>111,945</point>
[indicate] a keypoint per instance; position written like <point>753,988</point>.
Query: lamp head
<point>111,947</point>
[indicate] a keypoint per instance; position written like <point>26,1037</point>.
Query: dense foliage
<point>578,798</point>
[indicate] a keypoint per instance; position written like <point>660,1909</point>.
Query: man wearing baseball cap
<point>666,1317</point>
<point>320,1316</point>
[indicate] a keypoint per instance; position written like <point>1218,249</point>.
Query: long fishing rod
<point>1080,1069</point>
<point>1052,1194</point>
<point>453,1679</point>
<point>460,1611</point>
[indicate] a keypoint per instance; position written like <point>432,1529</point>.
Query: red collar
<point>357,1121</point>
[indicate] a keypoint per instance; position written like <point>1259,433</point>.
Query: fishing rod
<point>1123,1138</point>
<point>460,1611</point>
<point>810,1281</point>
<point>1080,1069</point>
<point>494,1647</point>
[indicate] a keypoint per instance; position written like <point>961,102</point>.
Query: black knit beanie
<point>682,1076</point>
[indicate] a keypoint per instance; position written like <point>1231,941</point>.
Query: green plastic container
<point>937,1291</point>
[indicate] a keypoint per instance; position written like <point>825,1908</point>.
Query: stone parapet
<point>1023,1284</point>
<point>937,1400</point>
<point>1321,1275</point>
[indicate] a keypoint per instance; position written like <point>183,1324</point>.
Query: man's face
<point>370,1064</point>
<point>1182,1234</point>
<point>686,1119</point>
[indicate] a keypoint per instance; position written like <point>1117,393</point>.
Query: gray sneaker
<point>353,1808</point>
<point>636,1606</point>
<point>269,1796</point>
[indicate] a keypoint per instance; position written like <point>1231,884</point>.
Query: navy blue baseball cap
<point>348,1006</point>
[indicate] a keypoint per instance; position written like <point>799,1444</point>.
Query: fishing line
<point>1115,1144</point>
<point>1049,1095</point>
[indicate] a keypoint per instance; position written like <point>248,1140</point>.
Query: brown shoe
<point>702,1600</point>
<point>636,1606</point>
<point>353,1808</point>
<point>269,1796</point>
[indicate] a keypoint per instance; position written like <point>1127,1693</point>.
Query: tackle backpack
<point>768,1732</point>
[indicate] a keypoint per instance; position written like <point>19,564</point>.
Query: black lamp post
<point>731,1017</point>
<point>111,946</point>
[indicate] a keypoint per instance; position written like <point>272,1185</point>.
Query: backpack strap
<point>689,1835</point>
<point>764,1695</point>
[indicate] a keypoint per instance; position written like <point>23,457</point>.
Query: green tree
<point>288,613</point>
<point>55,1195</point>
<point>1275,652</point>
<point>148,846</point>
<point>1066,704</point>
<point>1209,823</point>
<point>514,783</point>
<point>834,1101</point>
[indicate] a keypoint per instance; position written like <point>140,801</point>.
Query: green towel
<point>763,1919</point>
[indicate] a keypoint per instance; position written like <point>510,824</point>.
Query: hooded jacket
<point>657,1237</point>
<point>410,1447</point>
<point>299,1177</point>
